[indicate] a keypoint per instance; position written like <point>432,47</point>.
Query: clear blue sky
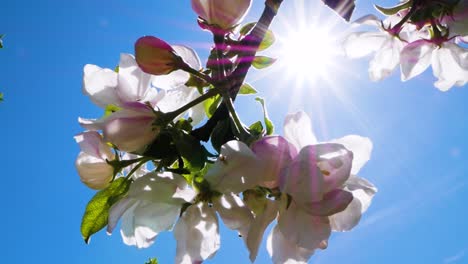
<point>419,162</point>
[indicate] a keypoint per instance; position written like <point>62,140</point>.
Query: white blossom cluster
<point>308,189</point>
<point>415,35</point>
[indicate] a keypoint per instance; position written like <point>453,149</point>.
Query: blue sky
<point>419,162</point>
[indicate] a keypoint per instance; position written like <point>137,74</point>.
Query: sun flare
<point>309,54</point>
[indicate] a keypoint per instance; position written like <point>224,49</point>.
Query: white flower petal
<point>415,58</point>
<point>302,229</point>
<point>236,170</point>
<point>363,191</point>
<point>100,84</point>
<point>259,225</point>
<point>360,44</point>
<point>283,251</point>
<point>134,84</point>
<point>450,66</point>
<point>197,234</point>
<point>298,130</point>
<point>116,212</point>
<point>385,60</point>
<point>235,214</point>
<point>361,148</point>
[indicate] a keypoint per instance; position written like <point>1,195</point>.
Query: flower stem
<point>198,74</point>
<point>203,97</point>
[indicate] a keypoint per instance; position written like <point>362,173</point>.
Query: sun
<point>309,54</point>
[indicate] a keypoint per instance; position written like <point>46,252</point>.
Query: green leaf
<point>190,149</point>
<point>267,40</point>
<point>97,211</point>
<point>117,69</point>
<point>211,104</point>
<point>390,11</point>
<point>152,261</point>
<point>1,97</point>
<point>261,62</point>
<point>246,28</point>
<point>270,128</point>
<point>247,89</point>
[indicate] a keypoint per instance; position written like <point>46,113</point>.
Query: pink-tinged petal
<point>236,170</point>
<point>234,213</point>
<point>335,162</point>
<point>224,14</point>
<point>197,234</point>
<point>130,130</point>
<point>303,179</point>
<point>100,84</point>
<point>361,148</point>
<point>263,217</point>
<point>282,251</point>
<point>333,202</point>
<point>91,124</point>
<point>363,191</point>
<point>360,44</point>
<point>154,56</point>
<point>91,142</point>
<point>274,155</point>
<point>386,59</point>
<point>302,229</point>
<point>298,130</point>
<point>450,66</point>
<point>156,217</point>
<point>415,58</point>
<point>135,235</point>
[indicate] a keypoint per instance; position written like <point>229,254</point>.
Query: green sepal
<point>1,97</point>
<point>1,41</point>
<point>262,62</point>
<point>247,89</point>
<point>270,128</point>
<point>117,69</point>
<point>390,11</point>
<point>97,211</point>
<point>256,129</point>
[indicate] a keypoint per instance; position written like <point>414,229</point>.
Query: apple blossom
<point>223,14</point>
<point>320,193</point>
<point>449,62</point>
<point>152,205</point>
<point>91,163</point>
<point>387,47</point>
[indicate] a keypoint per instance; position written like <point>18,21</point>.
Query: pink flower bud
<point>154,56</point>
<point>91,163</point>
<point>224,14</point>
